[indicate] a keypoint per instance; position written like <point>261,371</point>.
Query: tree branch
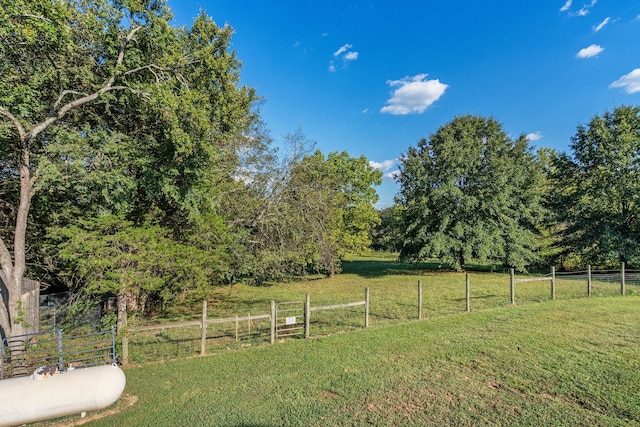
<point>16,123</point>
<point>120,59</point>
<point>150,67</point>
<point>63,94</point>
<point>40,17</point>
<point>83,100</point>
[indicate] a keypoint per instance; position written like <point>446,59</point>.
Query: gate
<point>21,355</point>
<point>289,319</point>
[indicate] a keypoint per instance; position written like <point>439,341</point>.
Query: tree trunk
<point>122,310</point>
<point>19,248</point>
<point>5,320</point>
<point>13,269</point>
<point>332,268</point>
<point>13,327</point>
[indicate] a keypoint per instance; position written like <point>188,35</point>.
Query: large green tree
<point>299,210</point>
<point>333,198</point>
<point>599,189</point>
<point>470,192</point>
<point>109,110</point>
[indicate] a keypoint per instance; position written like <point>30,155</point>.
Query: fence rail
<point>533,279</point>
<point>333,307</point>
<point>304,307</point>
<point>199,335</point>
<point>20,355</point>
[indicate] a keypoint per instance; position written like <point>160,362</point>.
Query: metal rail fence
<point>21,355</point>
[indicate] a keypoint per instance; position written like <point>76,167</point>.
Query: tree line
<point>471,192</point>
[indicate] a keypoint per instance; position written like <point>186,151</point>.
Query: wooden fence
<point>551,278</point>
<point>306,310</point>
<point>272,316</point>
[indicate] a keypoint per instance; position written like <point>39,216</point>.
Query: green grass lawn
<point>573,362</point>
<point>393,296</point>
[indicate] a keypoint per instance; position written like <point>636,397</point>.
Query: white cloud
<point>342,50</point>
<point>584,11</point>
<point>535,136</point>
<point>345,53</point>
<point>590,51</point>
<point>413,95</point>
<point>385,166</point>
<point>391,175</point>
<point>601,25</point>
<point>350,56</point>
<point>630,82</point>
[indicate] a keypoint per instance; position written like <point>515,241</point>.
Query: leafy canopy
<point>108,111</point>
<point>600,189</point>
<point>470,192</point>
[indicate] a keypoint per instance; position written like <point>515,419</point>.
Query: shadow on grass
<point>378,268</point>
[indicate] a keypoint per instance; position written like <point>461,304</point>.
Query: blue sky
<point>373,77</point>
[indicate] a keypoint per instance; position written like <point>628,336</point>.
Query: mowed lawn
<point>393,299</point>
<point>563,362</point>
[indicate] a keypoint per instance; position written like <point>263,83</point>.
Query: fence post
<point>366,308</point>
<point>622,285</point>
<point>553,283</point>
<point>273,321</point>
<point>419,299</point>
<point>60,357</point>
<point>468,293</point>
<point>237,328</point>
<point>125,338</point>
<point>512,287</point>
<point>203,336</point>
<point>589,280</point>
<point>113,345</point>
<point>307,315</point>
<point>125,349</point>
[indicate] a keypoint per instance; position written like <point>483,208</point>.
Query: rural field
<point>143,169</point>
<point>572,361</point>
<point>393,299</point>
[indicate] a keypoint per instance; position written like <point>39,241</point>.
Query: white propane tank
<point>51,394</point>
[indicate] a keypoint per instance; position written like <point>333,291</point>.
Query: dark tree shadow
<point>380,268</point>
